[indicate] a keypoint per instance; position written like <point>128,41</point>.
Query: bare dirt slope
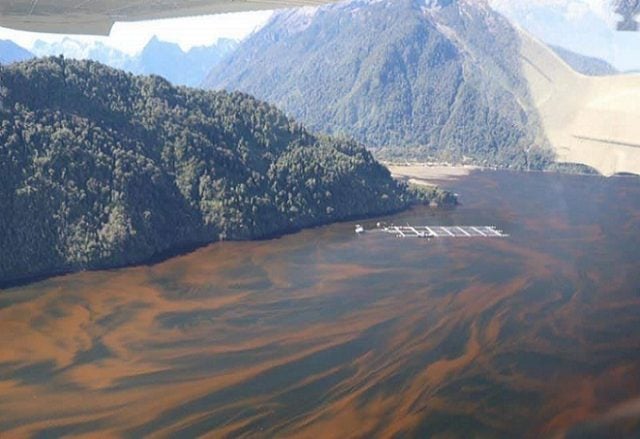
<point>590,120</point>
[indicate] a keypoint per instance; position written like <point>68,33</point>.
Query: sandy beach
<point>424,173</point>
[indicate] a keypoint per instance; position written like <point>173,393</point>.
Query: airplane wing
<point>96,17</point>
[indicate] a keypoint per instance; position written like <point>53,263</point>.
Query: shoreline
<point>420,174</point>
<point>434,172</point>
<point>429,174</point>
<point>194,246</point>
<point>182,250</point>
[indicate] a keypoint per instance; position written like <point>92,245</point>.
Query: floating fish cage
<point>440,231</point>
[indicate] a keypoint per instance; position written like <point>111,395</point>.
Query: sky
<point>584,26</point>
<point>572,9</point>
<point>187,32</point>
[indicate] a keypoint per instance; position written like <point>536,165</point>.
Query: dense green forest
<point>100,168</point>
<point>415,79</point>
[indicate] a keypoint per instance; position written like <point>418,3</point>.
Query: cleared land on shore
<point>421,173</point>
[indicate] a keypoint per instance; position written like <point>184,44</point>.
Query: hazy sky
<point>571,9</point>
<point>585,26</point>
<point>187,32</point>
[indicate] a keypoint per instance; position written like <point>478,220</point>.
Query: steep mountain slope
<point>587,65</point>
<point>158,57</point>
<point>101,168</point>
<point>10,52</point>
<point>588,120</point>
<point>439,78</point>
<point>582,26</point>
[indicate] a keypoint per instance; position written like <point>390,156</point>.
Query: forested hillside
<point>420,79</point>
<point>99,168</point>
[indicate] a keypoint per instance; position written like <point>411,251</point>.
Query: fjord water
<point>327,334</point>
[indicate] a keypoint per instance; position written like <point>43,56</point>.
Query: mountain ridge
<point>157,57</point>
<point>398,76</point>
<point>11,52</point>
